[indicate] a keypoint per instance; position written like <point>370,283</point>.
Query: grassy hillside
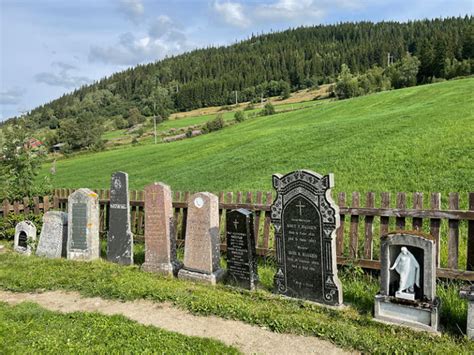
<point>415,139</point>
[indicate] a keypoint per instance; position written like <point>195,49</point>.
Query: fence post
<point>368,244</point>
<point>354,231</point>
<point>384,221</point>
<point>435,224</point>
<point>453,234</point>
<point>470,237</point>
<point>417,223</point>
<point>6,208</point>
<point>401,204</point>
<point>341,201</point>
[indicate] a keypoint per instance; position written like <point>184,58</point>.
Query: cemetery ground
<point>351,328</point>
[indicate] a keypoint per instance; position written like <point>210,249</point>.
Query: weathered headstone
<point>202,247</point>
<point>119,237</point>
<point>241,253</point>
<point>53,238</point>
<point>25,235</point>
<point>408,281</point>
<point>305,219</point>
<point>83,225</point>
<point>468,293</point>
<point>160,239</point>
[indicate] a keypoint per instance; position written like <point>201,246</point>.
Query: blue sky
<point>50,47</point>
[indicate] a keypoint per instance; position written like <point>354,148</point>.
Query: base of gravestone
<point>81,256</point>
<point>412,314</point>
<point>165,269</point>
<point>468,294</point>
<point>191,275</point>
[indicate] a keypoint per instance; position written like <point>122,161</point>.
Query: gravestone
<point>25,235</point>
<point>119,237</point>
<point>468,293</point>
<point>83,225</point>
<point>408,281</point>
<point>202,247</point>
<point>305,219</point>
<point>241,253</point>
<point>53,238</point>
<point>160,239</point>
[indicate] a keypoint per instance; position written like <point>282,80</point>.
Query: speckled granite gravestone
<point>160,239</point>
<point>202,246</point>
<point>241,253</point>
<point>83,225</point>
<point>305,219</point>
<point>25,234</point>
<point>119,237</point>
<point>53,238</point>
<point>468,293</point>
<point>408,281</point>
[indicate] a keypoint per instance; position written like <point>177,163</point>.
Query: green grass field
<point>415,139</point>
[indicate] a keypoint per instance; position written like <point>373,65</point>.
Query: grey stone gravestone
<point>53,238</point>
<point>468,293</point>
<point>305,219</point>
<point>119,237</point>
<point>408,281</point>
<point>25,235</point>
<point>83,225</point>
<point>241,253</point>
<point>202,247</point>
<point>160,239</point>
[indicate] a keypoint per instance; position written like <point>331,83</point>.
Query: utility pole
<point>236,100</point>
<point>154,119</point>
<point>389,59</point>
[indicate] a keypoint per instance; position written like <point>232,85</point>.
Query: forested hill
<point>301,57</point>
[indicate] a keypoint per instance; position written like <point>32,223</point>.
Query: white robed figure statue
<point>409,270</point>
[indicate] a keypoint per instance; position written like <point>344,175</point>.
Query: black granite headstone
<point>305,219</point>
<point>241,253</point>
<point>79,228</point>
<point>119,239</point>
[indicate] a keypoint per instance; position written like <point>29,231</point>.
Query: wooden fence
<point>357,238</point>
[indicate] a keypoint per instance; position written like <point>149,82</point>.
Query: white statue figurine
<point>409,270</point>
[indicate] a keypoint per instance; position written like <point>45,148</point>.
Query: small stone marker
<point>160,239</point>
<point>119,238</point>
<point>83,225</point>
<point>408,281</point>
<point>25,234</point>
<point>241,253</point>
<point>305,219</point>
<point>202,246</point>
<point>53,238</point>
<point>468,293</point>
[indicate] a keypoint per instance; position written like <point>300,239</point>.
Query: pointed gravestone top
<point>53,237</point>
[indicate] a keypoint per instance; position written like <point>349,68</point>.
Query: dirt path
<point>249,339</point>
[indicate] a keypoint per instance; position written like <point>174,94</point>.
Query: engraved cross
<point>300,206</point>
<point>236,223</point>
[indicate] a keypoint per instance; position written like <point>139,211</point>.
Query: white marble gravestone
<point>83,225</point>
<point>25,235</point>
<point>53,238</point>
<point>468,293</point>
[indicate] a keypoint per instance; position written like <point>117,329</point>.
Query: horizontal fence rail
<point>357,238</point>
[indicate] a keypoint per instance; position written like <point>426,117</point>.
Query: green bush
<point>216,124</point>
<point>268,109</point>
<point>7,226</point>
<point>239,116</point>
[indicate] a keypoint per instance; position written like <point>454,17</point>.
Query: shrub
<point>7,225</point>
<point>216,124</point>
<point>268,109</point>
<point>239,116</point>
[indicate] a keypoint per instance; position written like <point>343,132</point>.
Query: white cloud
<point>161,26</point>
<point>133,9</point>
<point>12,96</point>
<point>63,78</point>
<point>232,13</point>
<point>290,10</point>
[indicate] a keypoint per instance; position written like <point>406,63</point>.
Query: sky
<point>51,47</point>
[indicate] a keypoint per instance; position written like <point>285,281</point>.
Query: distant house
<point>57,147</point>
<point>34,143</point>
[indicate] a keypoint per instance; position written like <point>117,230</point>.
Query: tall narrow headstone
<point>202,247</point>
<point>83,225</point>
<point>241,253</point>
<point>408,281</point>
<point>305,219</point>
<point>119,238</point>
<point>160,239</point>
<point>53,238</point>
<point>25,235</point>
<point>468,293</point>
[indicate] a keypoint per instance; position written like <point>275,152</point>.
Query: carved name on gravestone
<point>83,225</point>
<point>241,253</point>
<point>53,238</point>
<point>468,293</point>
<point>202,245</point>
<point>408,281</point>
<point>25,235</point>
<point>160,239</point>
<point>119,237</point>
<point>305,219</point>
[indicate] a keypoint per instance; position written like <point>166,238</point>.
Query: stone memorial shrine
<point>468,293</point>
<point>83,225</point>
<point>408,281</point>
<point>53,238</point>
<point>25,235</point>
<point>305,219</point>
<point>202,245</point>
<point>119,237</point>
<point>241,253</point>
<point>160,238</point>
